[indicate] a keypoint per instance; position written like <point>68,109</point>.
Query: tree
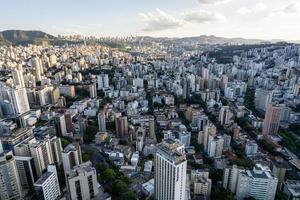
<point>119,187</point>
<point>130,195</point>
<point>108,175</point>
<point>89,135</point>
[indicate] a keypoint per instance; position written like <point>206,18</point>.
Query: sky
<point>259,19</point>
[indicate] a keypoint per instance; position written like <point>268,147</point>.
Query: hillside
<point>20,37</point>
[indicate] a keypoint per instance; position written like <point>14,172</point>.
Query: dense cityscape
<point>150,100</point>
<point>150,119</point>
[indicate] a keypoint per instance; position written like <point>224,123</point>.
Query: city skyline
<point>227,18</point>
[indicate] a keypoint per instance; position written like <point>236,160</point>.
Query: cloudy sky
<point>264,19</point>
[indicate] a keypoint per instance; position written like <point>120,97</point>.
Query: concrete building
<point>41,152</point>
<point>121,126</point>
<point>10,186</point>
<point>70,157</point>
<point>101,122</point>
<point>47,186</point>
<point>231,177</point>
<point>215,146</point>
<point>82,182</point>
<point>26,171</point>
<point>170,171</point>
<point>203,187</point>
<point>251,148</point>
<point>292,189</point>
<point>258,183</point>
<point>262,99</point>
<point>60,124</point>
<point>272,120</point>
<point>225,115</point>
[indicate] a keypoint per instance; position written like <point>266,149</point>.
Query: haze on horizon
<point>261,19</point>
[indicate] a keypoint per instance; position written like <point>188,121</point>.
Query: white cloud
<point>202,16</point>
<point>291,8</point>
<point>160,20</point>
<point>259,7</point>
<point>212,1</point>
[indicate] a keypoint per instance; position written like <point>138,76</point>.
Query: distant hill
<point>208,39</point>
<point>20,37</point>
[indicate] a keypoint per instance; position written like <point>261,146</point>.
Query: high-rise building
<point>47,186</point>
<point>10,186</point>
<point>18,78</point>
<point>26,170</point>
<point>185,138</point>
<point>170,171</point>
<point>215,146</point>
<point>251,148</point>
<point>102,81</point>
<point>121,126</point>
<point>227,142</point>
<point>292,189</point>
<point>209,130</point>
<point>231,177</point>
<point>262,99</point>
<point>93,90</point>
<point>41,152</point>
<point>202,187</point>
<point>37,64</point>
<point>56,149</point>
<point>152,129</point>
<point>225,115</point>
<point>272,120</point>
<point>258,183</point>
<point>60,125</point>
<point>101,122</point>
<point>16,100</point>
<point>82,182</point>
<point>199,173</point>
<point>70,157</point>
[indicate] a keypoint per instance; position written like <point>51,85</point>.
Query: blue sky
<point>266,19</point>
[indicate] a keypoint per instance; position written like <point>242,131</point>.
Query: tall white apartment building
<point>101,122</point>
<point>47,186</point>
<point>70,157</point>
<point>102,81</point>
<point>225,115</point>
<point>82,182</point>
<point>258,183</point>
<point>41,153</point>
<point>215,146</point>
<point>231,177</point>
<point>170,171</point>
